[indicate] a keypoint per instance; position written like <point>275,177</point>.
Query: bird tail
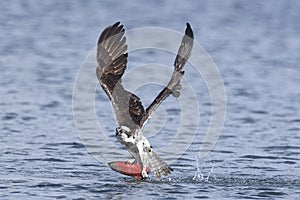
<point>159,166</point>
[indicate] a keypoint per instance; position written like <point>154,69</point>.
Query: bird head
<point>125,135</point>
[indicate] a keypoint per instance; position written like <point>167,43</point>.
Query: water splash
<point>199,176</point>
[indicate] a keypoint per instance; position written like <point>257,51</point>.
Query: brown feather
<point>112,59</point>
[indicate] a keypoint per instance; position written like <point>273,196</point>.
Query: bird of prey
<point>131,115</point>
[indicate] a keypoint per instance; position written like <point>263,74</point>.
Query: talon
<point>144,174</point>
<point>131,161</point>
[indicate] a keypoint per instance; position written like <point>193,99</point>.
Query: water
<point>255,45</point>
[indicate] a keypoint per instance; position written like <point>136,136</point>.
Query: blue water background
<point>255,45</point>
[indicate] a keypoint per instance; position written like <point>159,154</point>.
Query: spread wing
<point>112,61</point>
<point>174,86</point>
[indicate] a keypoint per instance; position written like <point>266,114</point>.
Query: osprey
<point>131,115</point>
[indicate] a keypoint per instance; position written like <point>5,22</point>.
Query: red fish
<point>128,168</point>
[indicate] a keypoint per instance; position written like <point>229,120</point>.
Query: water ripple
<point>257,154</point>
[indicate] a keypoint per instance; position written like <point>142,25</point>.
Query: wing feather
<point>112,59</point>
<point>174,86</point>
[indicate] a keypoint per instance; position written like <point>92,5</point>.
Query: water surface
<point>255,45</point>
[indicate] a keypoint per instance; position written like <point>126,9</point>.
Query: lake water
<point>255,45</point>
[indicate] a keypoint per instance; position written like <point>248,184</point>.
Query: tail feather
<point>159,166</point>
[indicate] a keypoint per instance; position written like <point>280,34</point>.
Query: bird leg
<point>144,172</point>
<point>131,161</point>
